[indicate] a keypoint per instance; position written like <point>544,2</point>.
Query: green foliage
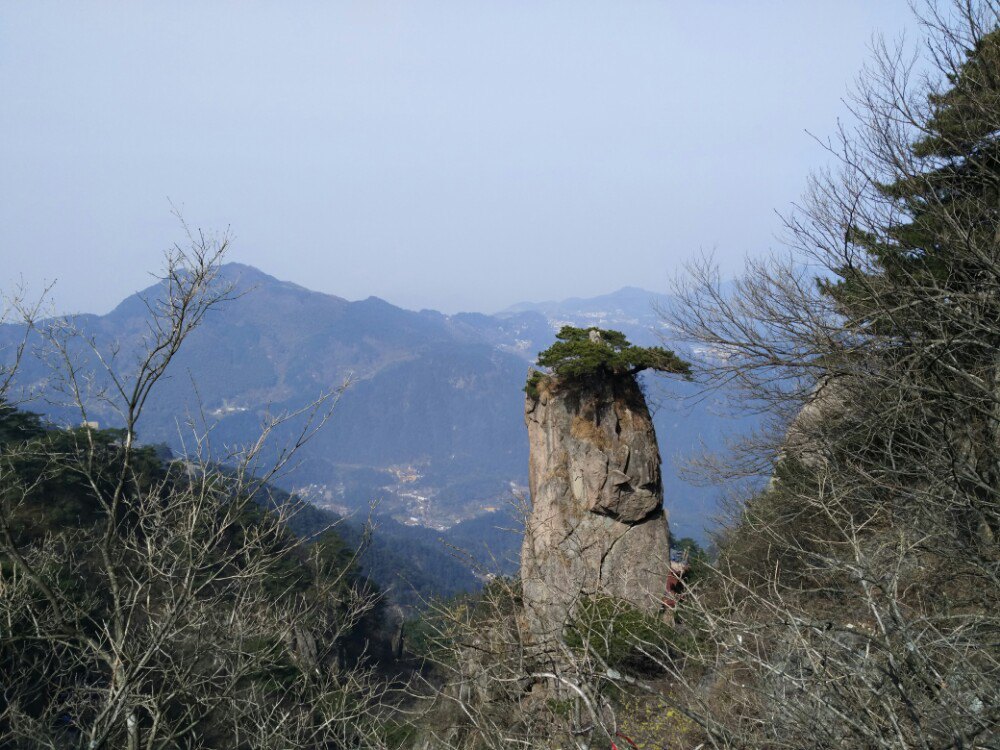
<point>590,353</point>
<point>695,556</point>
<point>617,633</point>
<point>920,257</point>
<point>58,466</point>
<point>435,634</point>
<point>423,639</point>
<point>689,547</point>
<point>535,379</point>
<point>17,425</point>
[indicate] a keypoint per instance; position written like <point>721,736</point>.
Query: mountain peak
<point>244,278</point>
<point>244,275</point>
<point>630,295</point>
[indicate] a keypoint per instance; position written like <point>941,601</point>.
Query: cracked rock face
<point>597,524</point>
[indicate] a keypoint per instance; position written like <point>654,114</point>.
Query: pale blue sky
<point>462,154</point>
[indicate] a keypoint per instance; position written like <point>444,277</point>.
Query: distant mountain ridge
<point>432,424</point>
<point>631,297</point>
<point>633,310</point>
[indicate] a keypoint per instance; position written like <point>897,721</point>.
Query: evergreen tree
<point>927,297</point>
<point>580,354</point>
<point>935,260</point>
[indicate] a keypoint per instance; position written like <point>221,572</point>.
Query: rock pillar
<point>597,524</point>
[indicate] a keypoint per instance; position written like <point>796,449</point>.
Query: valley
<point>426,433</point>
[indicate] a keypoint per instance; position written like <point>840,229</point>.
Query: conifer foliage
<point>580,354</point>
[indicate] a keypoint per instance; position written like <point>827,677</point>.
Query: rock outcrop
<point>597,524</point>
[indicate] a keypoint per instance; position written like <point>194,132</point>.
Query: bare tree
<point>175,609</point>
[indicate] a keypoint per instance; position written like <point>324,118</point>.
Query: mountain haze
<point>431,424</point>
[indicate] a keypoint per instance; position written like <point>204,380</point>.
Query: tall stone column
<point>597,524</point>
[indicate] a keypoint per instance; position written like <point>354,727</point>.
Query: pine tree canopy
<point>583,353</point>
<point>946,197</point>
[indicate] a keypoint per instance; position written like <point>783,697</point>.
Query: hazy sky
<point>461,154</point>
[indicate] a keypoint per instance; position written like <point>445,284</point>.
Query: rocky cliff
<point>597,524</point>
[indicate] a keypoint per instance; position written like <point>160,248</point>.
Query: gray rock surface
<point>597,524</point>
